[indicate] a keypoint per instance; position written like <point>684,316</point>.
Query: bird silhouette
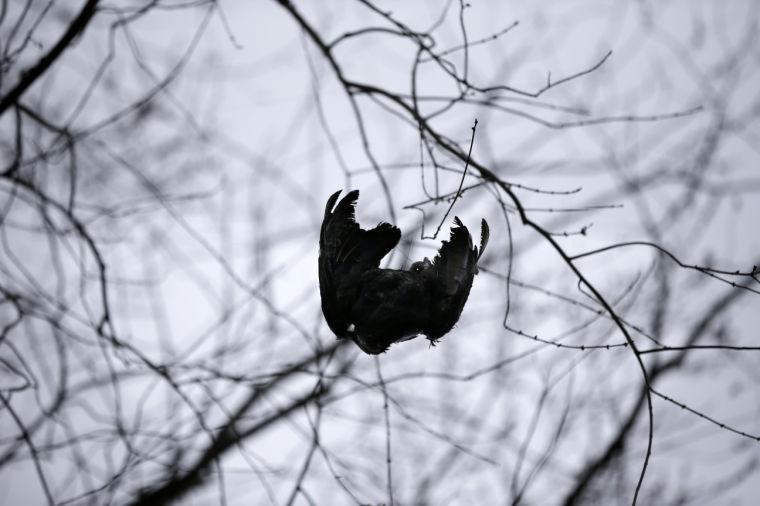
<point>377,307</point>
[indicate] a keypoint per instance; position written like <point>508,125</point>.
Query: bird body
<point>378,307</point>
<point>393,306</point>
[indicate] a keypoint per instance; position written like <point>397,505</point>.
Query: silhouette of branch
<point>31,75</point>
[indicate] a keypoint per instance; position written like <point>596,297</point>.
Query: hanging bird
<point>377,307</point>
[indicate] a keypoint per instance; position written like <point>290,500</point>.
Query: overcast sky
<point>206,201</point>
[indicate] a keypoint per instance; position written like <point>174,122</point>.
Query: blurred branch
<point>29,76</point>
<point>234,430</point>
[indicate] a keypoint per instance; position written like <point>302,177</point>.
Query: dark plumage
<point>377,307</point>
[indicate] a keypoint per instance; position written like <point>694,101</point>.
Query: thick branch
<point>176,487</point>
<point>31,75</point>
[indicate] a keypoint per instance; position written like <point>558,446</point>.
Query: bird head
<point>421,266</point>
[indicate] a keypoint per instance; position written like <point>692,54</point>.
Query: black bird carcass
<point>377,307</point>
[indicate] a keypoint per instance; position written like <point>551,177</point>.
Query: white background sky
<point>240,128</point>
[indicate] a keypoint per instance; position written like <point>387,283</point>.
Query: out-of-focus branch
<point>234,432</point>
<point>595,467</point>
<point>31,75</point>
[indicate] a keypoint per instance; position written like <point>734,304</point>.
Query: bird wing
<point>452,273</point>
<point>346,251</point>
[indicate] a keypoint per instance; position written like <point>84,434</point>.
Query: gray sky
<point>206,203</point>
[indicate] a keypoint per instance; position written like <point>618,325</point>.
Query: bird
<point>376,307</point>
